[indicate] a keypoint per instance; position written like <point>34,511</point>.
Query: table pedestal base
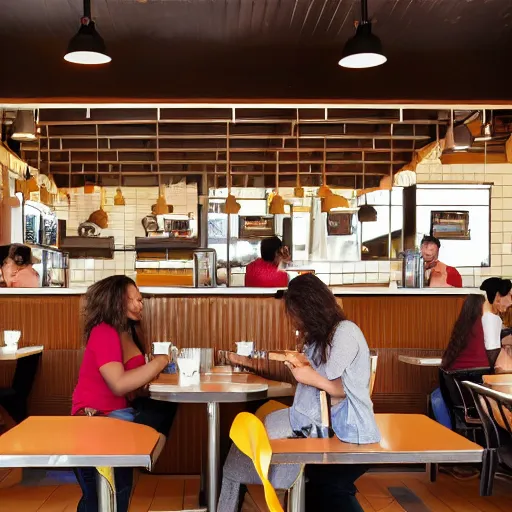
<point>212,484</point>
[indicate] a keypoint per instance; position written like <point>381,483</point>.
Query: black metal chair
<point>492,407</point>
<point>14,399</point>
<point>460,403</point>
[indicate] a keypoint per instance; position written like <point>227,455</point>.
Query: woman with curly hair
<point>113,374</point>
<point>339,364</point>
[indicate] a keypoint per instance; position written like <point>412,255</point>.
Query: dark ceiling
<point>259,49</point>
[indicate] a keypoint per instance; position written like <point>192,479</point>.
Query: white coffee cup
<point>244,348</point>
<point>161,347</point>
<point>11,338</point>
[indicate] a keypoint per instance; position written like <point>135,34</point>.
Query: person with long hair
<point>339,364</point>
<point>16,267</point>
<point>466,348</point>
<point>114,374</point>
<point>476,336</point>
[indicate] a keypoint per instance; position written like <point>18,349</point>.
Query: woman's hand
<point>162,359</point>
<point>310,377</point>
<point>303,374</point>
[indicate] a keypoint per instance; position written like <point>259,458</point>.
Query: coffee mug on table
<point>11,339</point>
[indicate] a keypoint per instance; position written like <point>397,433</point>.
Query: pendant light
<point>24,127</point>
<point>329,200</point>
<point>277,204</point>
<point>87,46</point>
<point>366,213</point>
<point>298,191</point>
<point>364,50</point>
<point>231,206</point>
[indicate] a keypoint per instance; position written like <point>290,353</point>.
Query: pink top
<point>263,274</point>
<point>26,277</point>
<point>103,346</point>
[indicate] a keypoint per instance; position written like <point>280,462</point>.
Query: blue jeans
<point>123,477</point>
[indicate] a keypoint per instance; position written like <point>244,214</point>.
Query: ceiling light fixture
<point>24,127</point>
<point>87,47</point>
<point>364,50</point>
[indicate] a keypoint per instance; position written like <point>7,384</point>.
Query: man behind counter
<point>264,272</point>
<point>437,274</point>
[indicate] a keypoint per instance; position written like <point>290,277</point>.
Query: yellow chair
<point>250,437</point>
<point>267,408</point>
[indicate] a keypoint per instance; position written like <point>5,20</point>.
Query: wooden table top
<point>22,352</point>
<point>405,438</point>
<point>420,361</point>
<point>235,387</point>
<point>78,441</point>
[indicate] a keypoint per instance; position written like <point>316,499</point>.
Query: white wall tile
<point>89,264</point>
<point>384,266</point>
<point>468,281</point>
<point>372,267</point>
<point>336,279</point>
<point>348,278</point>
<point>359,278</point>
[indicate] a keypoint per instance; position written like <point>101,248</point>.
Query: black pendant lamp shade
<point>24,128</point>
<point>87,46</point>
<point>364,50</point>
<point>367,213</point>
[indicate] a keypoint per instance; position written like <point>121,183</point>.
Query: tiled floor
<point>378,492</point>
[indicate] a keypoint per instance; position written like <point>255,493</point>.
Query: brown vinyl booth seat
<point>495,411</point>
<point>81,441</point>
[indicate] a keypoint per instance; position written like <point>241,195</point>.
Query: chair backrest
<point>325,403</point>
<point>250,437</point>
<point>373,371</point>
<point>495,411</point>
<point>456,396</point>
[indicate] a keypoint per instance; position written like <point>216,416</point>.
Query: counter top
<point>337,290</point>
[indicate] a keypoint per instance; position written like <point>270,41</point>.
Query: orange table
<point>405,439</point>
<point>80,441</point>
<point>214,389</point>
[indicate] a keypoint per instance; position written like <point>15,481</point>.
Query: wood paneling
<point>404,321</point>
<point>393,325</point>
<point>51,321</point>
<point>259,319</point>
<point>183,320</point>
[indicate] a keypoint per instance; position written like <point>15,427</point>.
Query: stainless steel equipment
<point>413,269</point>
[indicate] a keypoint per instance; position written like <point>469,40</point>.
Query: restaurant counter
<point>412,322</point>
<point>242,290</point>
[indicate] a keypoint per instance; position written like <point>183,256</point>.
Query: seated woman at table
<point>114,373</point>
<point>475,341</point>
<point>339,363</point>
<point>16,269</point>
